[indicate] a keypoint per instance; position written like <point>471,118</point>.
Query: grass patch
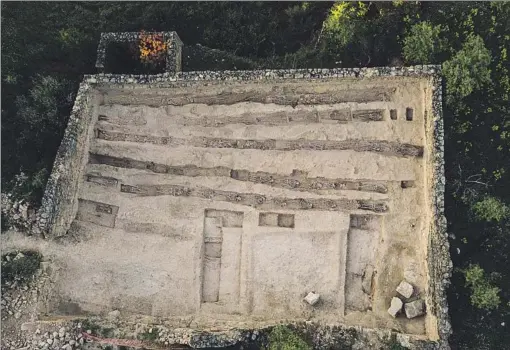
<point>92,326</point>
<point>20,266</point>
<point>97,329</point>
<point>284,338</point>
<point>148,336</point>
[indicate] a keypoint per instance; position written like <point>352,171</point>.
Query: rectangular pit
<point>228,201</point>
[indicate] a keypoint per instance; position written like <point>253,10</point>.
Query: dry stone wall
<point>58,204</point>
<point>173,61</point>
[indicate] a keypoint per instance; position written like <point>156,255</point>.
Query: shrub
<point>284,338</point>
<point>491,209</point>
<point>152,48</point>
<point>20,266</point>
<point>422,43</point>
<point>484,295</point>
<point>467,70</point>
<point>345,22</point>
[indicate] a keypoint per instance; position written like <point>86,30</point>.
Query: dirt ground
<point>217,205</point>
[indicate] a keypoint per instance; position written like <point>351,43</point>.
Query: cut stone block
<point>395,307</point>
<point>312,298</point>
<point>405,289</point>
<point>415,308</point>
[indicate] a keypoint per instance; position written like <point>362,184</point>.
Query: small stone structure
<point>220,182</point>
<point>173,58</point>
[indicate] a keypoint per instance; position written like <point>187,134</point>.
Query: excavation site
<point>214,201</point>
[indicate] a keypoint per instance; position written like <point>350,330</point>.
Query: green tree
<point>467,70</point>
<point>41,116</point>
<point>422,43</point>
<point>484,295</point>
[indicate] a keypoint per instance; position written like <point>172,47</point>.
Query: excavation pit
<point>225,201</point>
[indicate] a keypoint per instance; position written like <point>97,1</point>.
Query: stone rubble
<point>19,214</point>
<point>17,295</point>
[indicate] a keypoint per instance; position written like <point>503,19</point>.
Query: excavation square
<point>225,201</point>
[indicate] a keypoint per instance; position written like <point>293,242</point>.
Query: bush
<point>422,43</point>
<point>484,295</point>
<point>491,209</point>
<point>284,338</point>
<point>20,266</point>
<point>467,70</point>
<point>34,137</point>
<point>347,33</point>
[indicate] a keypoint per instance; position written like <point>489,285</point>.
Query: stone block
<point>312,298</point>
<point>414,308</point>
<point>395,307</point>
<point>405,289</point>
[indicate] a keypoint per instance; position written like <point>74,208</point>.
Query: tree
<point>491,209</point>
<point>467,70</point>
<point>422,43</point>
<point>39,123</point>
<point>483,294</point>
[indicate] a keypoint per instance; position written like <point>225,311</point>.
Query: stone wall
<point>439,262</point>
<point>58,204</point>
<point>173,60</point>
<point>56,214</point>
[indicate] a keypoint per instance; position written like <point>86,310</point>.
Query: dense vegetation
<point>47,47</point>
<point>20,267</point>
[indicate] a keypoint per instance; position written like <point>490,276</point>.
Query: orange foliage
<point>152,48</point>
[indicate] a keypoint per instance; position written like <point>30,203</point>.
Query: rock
<point>67,347</point>
<point>17,315</point>
<point>312,298</point>
<point>19,256</point>
<point>49,341</point>
<point>72,342</point>
<point>405,289</point>
<point>415,308</point>
<point>395,307</point>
